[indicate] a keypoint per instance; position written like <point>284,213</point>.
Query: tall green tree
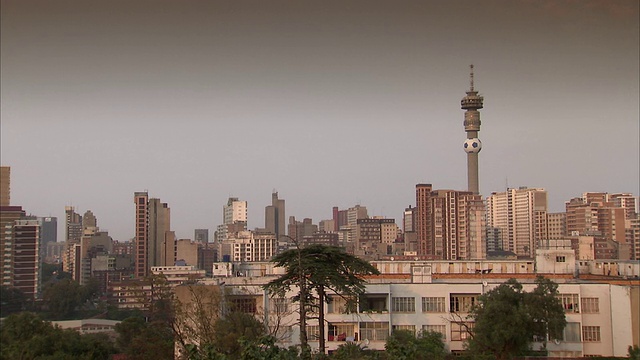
<point>506,318</point>
<point>319,268</point>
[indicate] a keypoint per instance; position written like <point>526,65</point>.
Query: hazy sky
<point>331,103</point>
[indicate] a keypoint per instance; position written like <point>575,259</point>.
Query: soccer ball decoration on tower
<point>472,146</point>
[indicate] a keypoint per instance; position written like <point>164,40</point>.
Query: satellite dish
<point>556,341</point>
<point>365,342</point>
<point>484,283</point>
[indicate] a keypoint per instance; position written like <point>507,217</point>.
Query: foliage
<point>265,348</point>
<point>65,298</point>
<point>234,327</point>
<point>142,340</point>
<point>404,345</point>
<point>26,336</point>
<point>12,300</point>
<point>634,352</point>
<point>320,268</point>
<point>506,318</point>
<point>352,351</point>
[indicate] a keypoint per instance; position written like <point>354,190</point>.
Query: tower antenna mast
<point>471,77</point>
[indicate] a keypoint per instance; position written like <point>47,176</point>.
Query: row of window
<point>457,303</point>
<point>459,331</point>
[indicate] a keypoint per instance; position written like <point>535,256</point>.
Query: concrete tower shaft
<point>471,104</point>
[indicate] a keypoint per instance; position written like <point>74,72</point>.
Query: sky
<point>330,103</point>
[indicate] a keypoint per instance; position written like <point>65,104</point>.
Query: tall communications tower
<point>472,146</point>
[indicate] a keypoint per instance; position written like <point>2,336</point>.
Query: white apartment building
<point>521,216</point>
<point>603,313</point>
<point>249,246</point>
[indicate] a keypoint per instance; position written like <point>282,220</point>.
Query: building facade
<point>521,216</point>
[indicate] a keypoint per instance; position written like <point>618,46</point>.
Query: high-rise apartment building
<point>234,218</point>
<point>73,237</point>
<point>375,237</point>
<point>521,216</point>
<point>626,201</point>
<point>274,216</point>
<point>557,225</point>
<point>632,229</point>
<point>593,215</point>
<point>422,219</point>
<point>141,260</point>
<point>457,225</point>
<point>409,227</point>
<point>8,217</point>
<point>299,229</point>
<point>155,242</point>
<point>5,185</point>
<point>449,224</point>
<point>26,262</point>
<point>249,246</point>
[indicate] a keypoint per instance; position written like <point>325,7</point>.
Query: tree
<point>234,327</point>
<point>62,299</point>
<point>506,318</point>
<point>26,336</point>
<point>319,268</point>
<point>404,345</point>
<point>141,340</point>
<point>12,300</point>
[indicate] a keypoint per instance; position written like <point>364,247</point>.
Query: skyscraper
<point>423,224</point>
<point>155,242</point>
<point>234,219</point>
<point>521,217</point>
<point>472,146</point>
<point>26,263</point>
<point>141,261</point>
<point>5,186</point>
<point>274,216</point>
<point>450,224</point>
<point>73,236</point>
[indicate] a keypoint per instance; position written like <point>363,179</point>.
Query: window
<point>560,259</point>
<point>244,305</point>
<point>571,333</point>
<point>374,331</point>
<point>411,328</point>
<point>403,304</point>
<point>569,302</point>
<point>591,333</point>
<point>280,305</point>
<point>442,329</point>
<point>313,332</point>
<point>590,305</point>
<point>460,330</point>
<point>342,331</point>
<point>373,303</point>
<point>339,305</point>
<point>461,302</point>
<point>433,304</point>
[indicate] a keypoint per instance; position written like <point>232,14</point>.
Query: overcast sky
<point>331,103</point>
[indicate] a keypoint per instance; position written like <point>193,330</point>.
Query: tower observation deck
<point>472,145</point>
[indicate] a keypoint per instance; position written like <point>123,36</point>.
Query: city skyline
<point>331,104</point>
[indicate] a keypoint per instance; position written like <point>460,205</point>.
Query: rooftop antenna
<point>471,77</point>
